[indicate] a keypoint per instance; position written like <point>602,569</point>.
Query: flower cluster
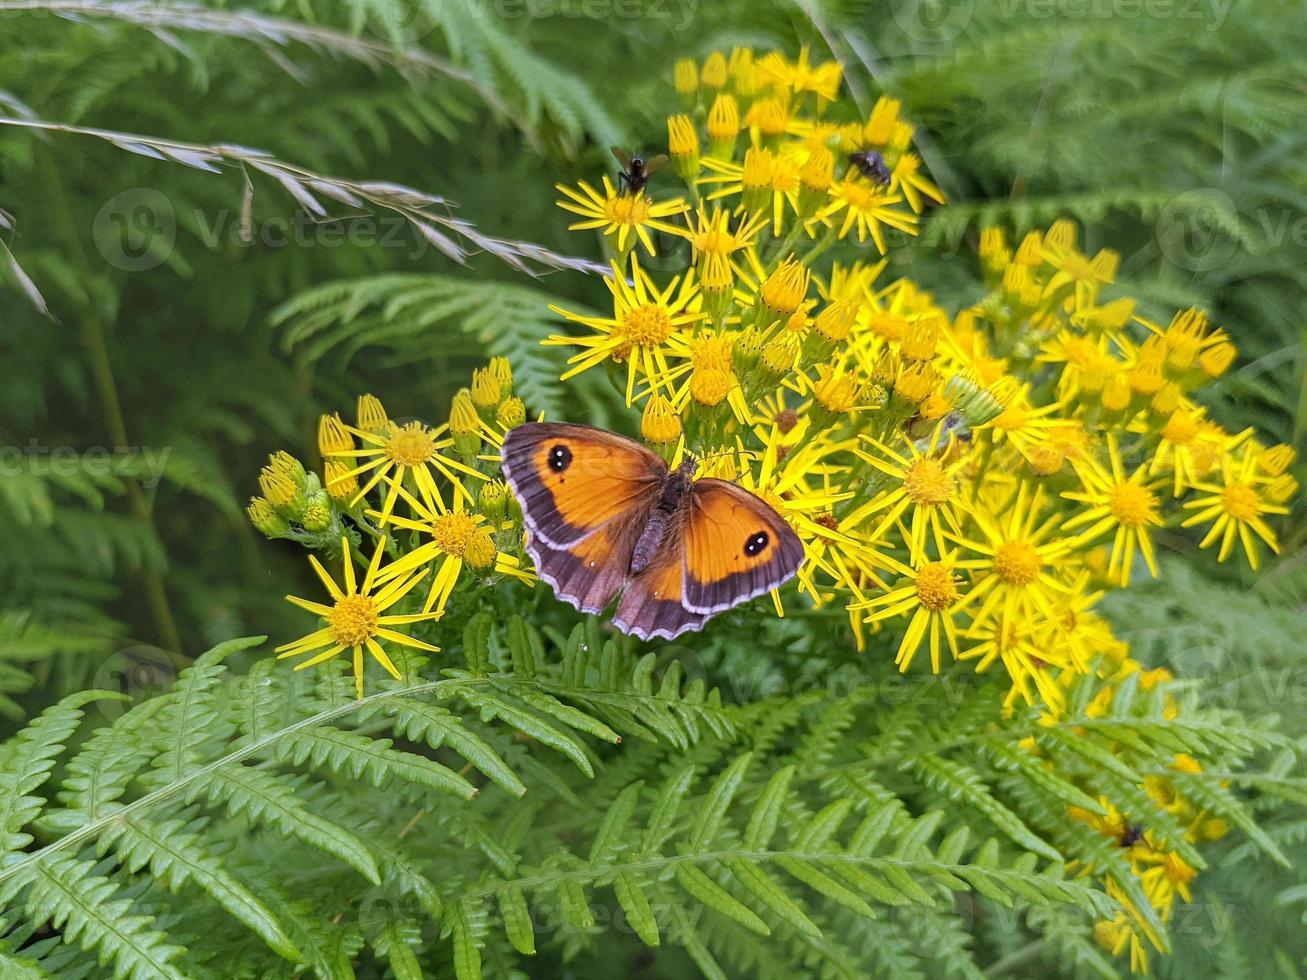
<point>427,496</point>
<point>967,484</point>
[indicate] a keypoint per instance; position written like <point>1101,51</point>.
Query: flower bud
<point>1116,393</point>
<point>771,120</point>
<point>511,414</point>
<point>267,520</point>
<point>503,372</point>
<point>915,382</point>
<point>919,342</point>
<point>485,393</point>
<point>372,415</point>
<point>686,80</point>
<point>492,500</point>
<point>683,145</point>
<point>341,483</point>
<point>317,512</point>
<point>1216,359</point>
<point>333,437</point>
<point>465,425</point>
<point>743,72</point>
<point>1166,400</point>
<point>1044,458</point>
<point>1282,489</point>
<point>660,425</point>
<point>723,127</point>
<point>785,289</point>
<point>714,71</point>
<point>480,550</point>
<point>1276,459</point>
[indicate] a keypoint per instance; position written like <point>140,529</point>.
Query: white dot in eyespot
<point>592,564</point>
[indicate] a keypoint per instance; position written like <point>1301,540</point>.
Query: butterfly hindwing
<point>573,479</point>
<point>652,604</point>
<point>736,547</point>
<point>591,572</point>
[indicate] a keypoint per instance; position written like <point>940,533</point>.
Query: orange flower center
<point>411,445</point>
<point>936,587</point>
<point>1131,504</point>
<point>647,325</point>
<point>353,620</point>
<point>451,532</point>
<point>1017,562</point>
<point>929,483</point>
<point>1241,502</point>
<point>627,209</point>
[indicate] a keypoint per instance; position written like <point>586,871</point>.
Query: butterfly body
<point>605,516</point>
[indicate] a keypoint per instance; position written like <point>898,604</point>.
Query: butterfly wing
<point>652,604</point>
<point>586,494</point>
<point>736,547</point>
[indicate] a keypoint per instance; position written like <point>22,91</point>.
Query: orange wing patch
<point>572,479</point>
<point>736,547</point>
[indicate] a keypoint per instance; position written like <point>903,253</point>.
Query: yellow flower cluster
<point>969,481</point>
<point>426,494</point>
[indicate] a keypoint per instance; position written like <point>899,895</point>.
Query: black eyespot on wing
<point>560,458</point>
<point>756,543</point>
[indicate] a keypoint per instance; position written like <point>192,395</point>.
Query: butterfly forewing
<point>573,479</point>
<point>586,495</point>
<point>736,547</point>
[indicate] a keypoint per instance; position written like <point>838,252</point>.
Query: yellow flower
<point>393,452</point>
<point>867,208</point>
<point>1019,554</point>
<point>648,326</point>
<point>622,217</point>
<point>452,533</point>
<point>1026,655</point>
<point>355,620</point>
<point>1236,508</point>
<point>1125,504</point>
<point>924,481</point>
<point>906,179</point>
<point>798,77</point>
<point>933,597</point>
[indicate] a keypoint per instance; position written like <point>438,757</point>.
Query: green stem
<point>97,348</point>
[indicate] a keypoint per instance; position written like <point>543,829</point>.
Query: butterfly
<point>605,515</point>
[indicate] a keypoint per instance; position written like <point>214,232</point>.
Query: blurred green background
<point>1171,129</point>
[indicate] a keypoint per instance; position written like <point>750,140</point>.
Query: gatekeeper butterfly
<point>606,515</point>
